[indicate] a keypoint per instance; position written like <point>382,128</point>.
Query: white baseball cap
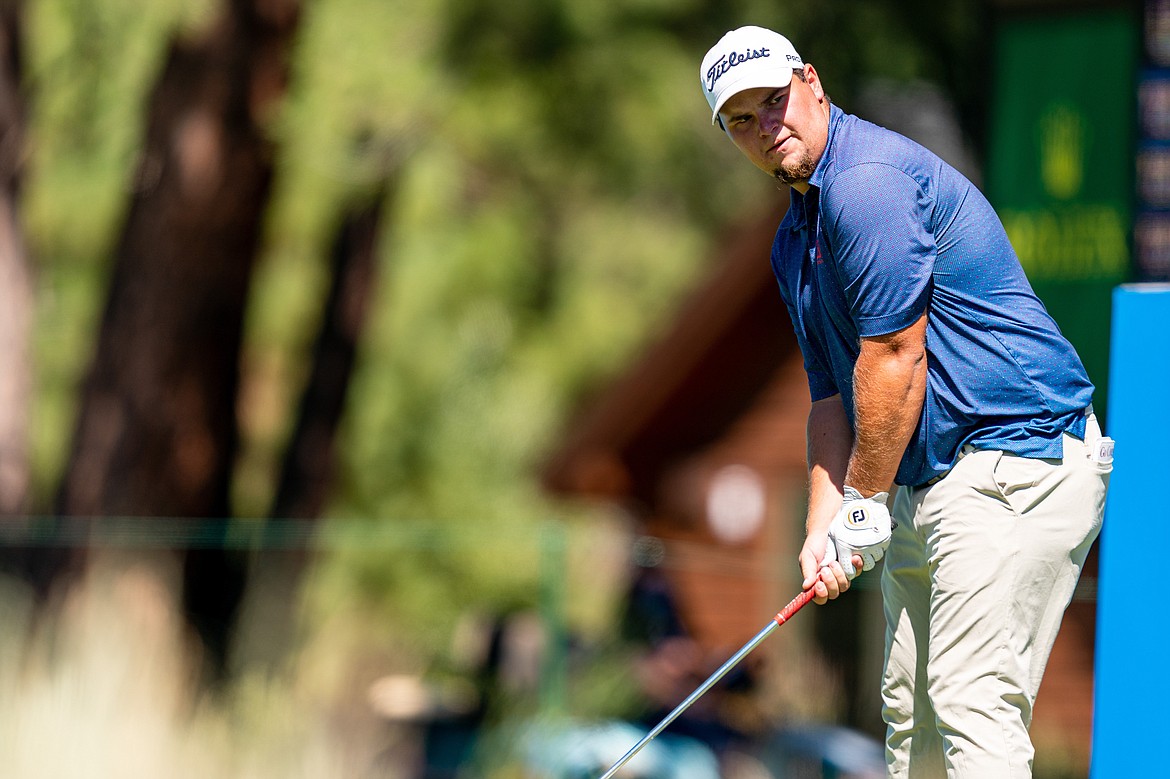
<point>746,58</point>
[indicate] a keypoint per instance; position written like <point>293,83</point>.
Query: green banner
<point>1060,163</point>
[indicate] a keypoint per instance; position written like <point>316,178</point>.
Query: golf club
<point>783,616</point>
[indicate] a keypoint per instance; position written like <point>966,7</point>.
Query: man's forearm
<point>830,441</point>
<point>889,386</point>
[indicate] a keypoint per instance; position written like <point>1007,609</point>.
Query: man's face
<point>782,131</point>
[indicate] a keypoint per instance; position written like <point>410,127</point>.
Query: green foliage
<point>554,191</point>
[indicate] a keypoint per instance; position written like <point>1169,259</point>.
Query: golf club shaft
<point>783,616</point>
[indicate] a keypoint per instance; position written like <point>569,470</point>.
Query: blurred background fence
<point>558,681</point>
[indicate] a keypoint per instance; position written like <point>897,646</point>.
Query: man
<point>932,365</point>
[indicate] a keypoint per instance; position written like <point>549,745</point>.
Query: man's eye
<point>777,99</point>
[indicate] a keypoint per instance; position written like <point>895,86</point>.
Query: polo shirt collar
<point>835,115</point>
<point>795,217</point>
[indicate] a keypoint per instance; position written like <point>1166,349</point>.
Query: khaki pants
<point>976,579</point>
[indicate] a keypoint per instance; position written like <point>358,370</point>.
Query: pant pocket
<point>1022,481</point>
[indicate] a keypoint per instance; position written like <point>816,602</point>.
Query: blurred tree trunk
<point>16,299</point>
<point>157,431</point>
<point>310,457</point>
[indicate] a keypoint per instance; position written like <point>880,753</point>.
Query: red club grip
<point>794,605</point>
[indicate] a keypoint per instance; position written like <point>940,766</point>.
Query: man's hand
<point>822,574</point>
<point>862,527</point>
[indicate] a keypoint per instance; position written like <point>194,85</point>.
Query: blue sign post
<point>1133,631</point>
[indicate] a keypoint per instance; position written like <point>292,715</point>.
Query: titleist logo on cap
<point>729,61</point>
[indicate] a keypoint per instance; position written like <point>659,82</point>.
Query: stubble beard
<point>797,172</point>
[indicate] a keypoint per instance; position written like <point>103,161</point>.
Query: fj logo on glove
<point>857,517</point>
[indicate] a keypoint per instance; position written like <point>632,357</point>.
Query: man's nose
<point>769,123</point>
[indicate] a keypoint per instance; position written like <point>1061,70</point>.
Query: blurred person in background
<point>670,664</point>
<point>932,365</point>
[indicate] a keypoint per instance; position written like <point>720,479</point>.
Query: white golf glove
<point>861,527</point>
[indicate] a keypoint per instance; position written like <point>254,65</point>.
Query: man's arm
<point>889,386</point>
<point>830,441</point>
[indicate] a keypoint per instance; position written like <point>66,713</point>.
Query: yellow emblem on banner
<point>1062,151</point>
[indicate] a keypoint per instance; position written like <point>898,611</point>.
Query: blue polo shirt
<point>887,231</point>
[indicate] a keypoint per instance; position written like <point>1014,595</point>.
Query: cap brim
<point>768,78</point>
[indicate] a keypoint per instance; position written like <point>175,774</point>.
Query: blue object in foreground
<point>1132,683</point>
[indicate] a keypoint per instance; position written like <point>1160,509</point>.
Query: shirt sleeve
<point>876,222</point>
<point>820,379</point>
<point>816,367</point>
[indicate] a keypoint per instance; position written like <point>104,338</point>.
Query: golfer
<point>933,366</point>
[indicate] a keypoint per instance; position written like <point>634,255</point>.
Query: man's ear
<point>814,82</point>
